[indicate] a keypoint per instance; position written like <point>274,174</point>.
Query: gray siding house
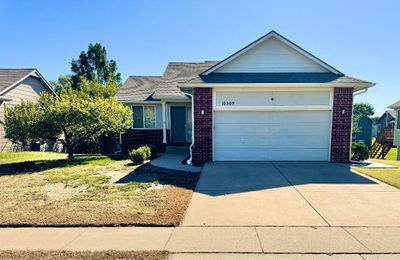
<point>17,85</point>
<point>271,100</point>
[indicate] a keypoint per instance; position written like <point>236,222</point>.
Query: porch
<point>159,124</point>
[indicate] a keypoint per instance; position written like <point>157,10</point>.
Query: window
<point>144,116</point>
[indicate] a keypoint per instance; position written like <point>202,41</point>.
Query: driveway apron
<point>290,194</point>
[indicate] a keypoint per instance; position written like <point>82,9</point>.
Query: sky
<point>359,38</point>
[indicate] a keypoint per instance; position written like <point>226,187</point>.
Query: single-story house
<point>17,85</point>
<point>396,140</point>
<point>364,126</point>
<point>387,119</point>
<point>271,100</point>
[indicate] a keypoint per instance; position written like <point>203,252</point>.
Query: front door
<point>178,124</point>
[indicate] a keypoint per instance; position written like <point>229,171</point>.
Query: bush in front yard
<point>138,156</point>
<point>359,152</point>
<point>147,151</point>
<point>154,151</point>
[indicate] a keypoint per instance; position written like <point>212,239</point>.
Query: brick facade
<point>202,101</point>
<point>133,138</point>
<point>341,124</point>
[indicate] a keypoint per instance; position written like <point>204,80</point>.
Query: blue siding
<point>365,135</point>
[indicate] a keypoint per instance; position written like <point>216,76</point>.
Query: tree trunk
<point>70,155</point>
<point>70,152</point>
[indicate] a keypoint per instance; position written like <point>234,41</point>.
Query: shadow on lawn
<point>41,165</point>
<point>148,173</point>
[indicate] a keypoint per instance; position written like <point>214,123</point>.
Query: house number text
<point>228,103</point>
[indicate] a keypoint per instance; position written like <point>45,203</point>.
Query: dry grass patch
<point>102,255</point>
<point>84,193</point>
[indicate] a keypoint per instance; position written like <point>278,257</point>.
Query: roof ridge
<point>192,62</point>
<point>144,76</point>
<point>18,69</point>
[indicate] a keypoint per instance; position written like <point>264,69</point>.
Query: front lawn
<point>44,189</point>
<point>101,255</point>
<point>390,176</point>
<point>392,154</point>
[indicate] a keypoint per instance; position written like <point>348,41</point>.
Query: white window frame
<point>144,120</point>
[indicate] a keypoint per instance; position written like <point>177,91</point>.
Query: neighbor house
<point>386,120</point>
<point>17,85</point>
<point>271,100</point>
<point>396,141</point>
<point>364,126</point>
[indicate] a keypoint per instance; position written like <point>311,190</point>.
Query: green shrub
<point>147,150</point>
<point>359,152</point>
<point>138,156</point>
<point>154,151</point>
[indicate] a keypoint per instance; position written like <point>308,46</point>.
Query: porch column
<point>164,123</point>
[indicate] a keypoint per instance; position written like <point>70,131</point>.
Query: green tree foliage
<point>364,108</point>
<point>356,119</point>
<point>93,65</point>
<point>73,118</point>
<point>62,83</point>
<point>21,123</point>
<point>96,89</point>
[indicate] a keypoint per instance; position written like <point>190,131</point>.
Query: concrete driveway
<point>290,194</point>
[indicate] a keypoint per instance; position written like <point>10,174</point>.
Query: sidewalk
<point>301,240</point>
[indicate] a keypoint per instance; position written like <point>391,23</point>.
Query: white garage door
<point>280,136</point>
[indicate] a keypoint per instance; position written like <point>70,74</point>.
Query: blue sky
<point>360,38</point>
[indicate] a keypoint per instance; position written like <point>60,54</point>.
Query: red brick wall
<point>133,138</point>
<point>202,149</point>
<point>341,124</point>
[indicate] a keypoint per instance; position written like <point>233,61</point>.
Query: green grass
<point>392,154</point>
<point>45,189</point>
<point>15,157</point>
<point>390,176</point>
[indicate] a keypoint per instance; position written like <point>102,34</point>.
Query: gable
<point>271,55</point>
<point>28,89</point>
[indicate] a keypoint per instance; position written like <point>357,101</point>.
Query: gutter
<point>189,161</point>
<point>361,91</point>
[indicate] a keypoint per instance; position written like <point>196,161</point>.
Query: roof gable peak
<point>286,45</point>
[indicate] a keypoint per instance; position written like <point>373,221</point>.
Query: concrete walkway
<point>260,240</point>
<point>172,159</point>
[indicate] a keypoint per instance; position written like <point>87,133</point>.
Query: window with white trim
<point>144,116</point>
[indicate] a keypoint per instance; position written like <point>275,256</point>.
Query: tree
<point>356,119</point>
<point>21,123</point>
<point>96,89</point>
<point>364,108</point>
<point>93,65</point>
<point>72,118</point>
<point>62,83</point>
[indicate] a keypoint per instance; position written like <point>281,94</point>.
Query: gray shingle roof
<point>275,78</point>
<point>148,88</point>
<point>139,88</point>
<point>10,76</point>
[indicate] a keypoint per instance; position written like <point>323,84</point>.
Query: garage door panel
<point>260,154</point>
<point>300,135</point>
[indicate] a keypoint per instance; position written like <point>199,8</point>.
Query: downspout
<point>189,161</point>
<point>362,91</point>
